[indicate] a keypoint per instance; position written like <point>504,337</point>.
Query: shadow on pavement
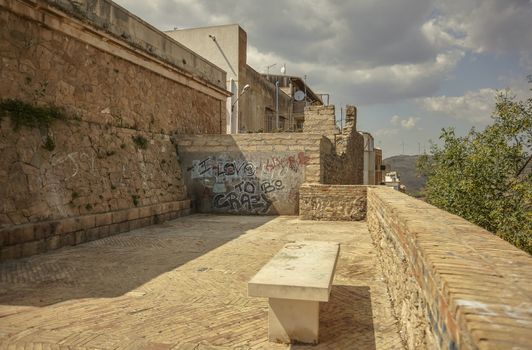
<point>346,321</point>
<point>115,265</point>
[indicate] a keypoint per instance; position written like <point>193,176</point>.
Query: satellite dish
<point>283,69</point>
<point>299,95</point>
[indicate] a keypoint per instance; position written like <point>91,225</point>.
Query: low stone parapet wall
<point>453,285</point>
<point>332,202</point>
<point>30,239</point>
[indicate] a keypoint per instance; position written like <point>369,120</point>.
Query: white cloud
<point>396,120</point>
<point>409,123</point>
<point>406,123</point>
<point>441,33</point>
<point>386,132</point>
<point>475,106</point>
<point>488,25</point>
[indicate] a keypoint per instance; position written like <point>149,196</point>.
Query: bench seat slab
<point>293,321</point>
<point>301,270</point>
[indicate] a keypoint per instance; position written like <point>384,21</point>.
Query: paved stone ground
<point>183,285</point>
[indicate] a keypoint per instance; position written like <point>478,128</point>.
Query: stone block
<point>44,230</point>
<point>20,234</point>
<point>104,219</point>
<point>119,216</point>
<point>133,214</point>
<point>159,208</point>
<point>135,224</point>
<point>81,237</point>
<point>68,239</point>
<point>33,248</point>
<point>114,229</point>
<point>68,225</point>
<point>173,206</point>
<point>11,252</point>
<point>161,218</point>
<point>145,221</point>
<point>123,227</point>
<point>53,242</point>
<point>144,212</point>
<point>93,234</point>
<point>87,222</point>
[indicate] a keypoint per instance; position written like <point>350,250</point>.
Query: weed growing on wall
<point>49,143</point>
<point>136,199</point>
<point>23,114</point>
<point>140,141</point>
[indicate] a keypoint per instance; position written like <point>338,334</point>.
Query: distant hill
<point>406,167</point>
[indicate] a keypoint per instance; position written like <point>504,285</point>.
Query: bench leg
<point>293,321</point>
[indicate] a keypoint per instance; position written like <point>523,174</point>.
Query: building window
<point>269,120</point>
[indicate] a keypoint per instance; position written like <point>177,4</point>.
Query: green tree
<point>484,176</point>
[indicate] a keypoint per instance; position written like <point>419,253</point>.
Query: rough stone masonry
<point>120,103</point>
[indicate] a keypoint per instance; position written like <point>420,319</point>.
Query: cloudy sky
<point>411,67</point>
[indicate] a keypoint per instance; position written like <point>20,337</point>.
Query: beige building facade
<point>263,106</point>
<point>301,96</point>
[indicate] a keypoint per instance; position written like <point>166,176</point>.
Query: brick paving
<point>183,285</point>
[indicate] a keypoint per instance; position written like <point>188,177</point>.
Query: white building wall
<point>219,45</point>
<point>369,159</point>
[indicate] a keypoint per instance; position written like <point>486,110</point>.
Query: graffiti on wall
<point>257,184</point>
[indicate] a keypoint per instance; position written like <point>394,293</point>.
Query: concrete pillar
<point>292,320</point>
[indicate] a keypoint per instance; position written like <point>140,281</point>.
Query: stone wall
<point>94,168</point>
<point>453,285</point>
<point>120,101</point>
<point>122,28</point>
<point>30,239</point>
<point>343,159</point>
<point>332,202</point>
<point>249,173</point>
<point>321,120</point>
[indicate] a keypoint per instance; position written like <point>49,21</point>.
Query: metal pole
<point>305,90</point>
<point>341,118</point>
<point>277,105</point>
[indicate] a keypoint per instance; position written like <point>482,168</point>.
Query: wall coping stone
<point>478,287</point>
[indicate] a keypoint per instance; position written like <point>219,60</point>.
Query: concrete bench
<point>295,280</point>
